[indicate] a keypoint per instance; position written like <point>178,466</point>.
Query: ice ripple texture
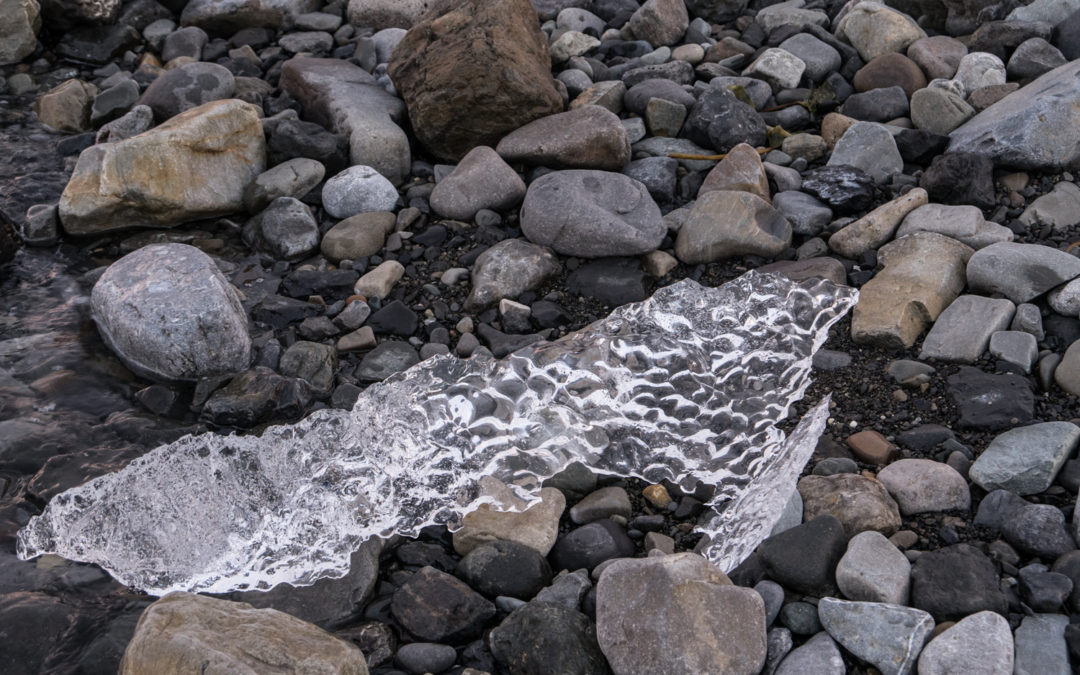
<point>687,386</point>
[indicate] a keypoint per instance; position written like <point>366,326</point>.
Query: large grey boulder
<point>1026,460</point>
<point>196,165</point>
<point>885,635</point>
<point>168,313</point>
<point>345,98</point>
<point>21,20</point>
<point>187,633</point>
<point>979,643</point>
<point>677,614</point>
<point>1020,272</point>
<point>1035,127</point>
<point>591,214</point>
<point>186,87</point>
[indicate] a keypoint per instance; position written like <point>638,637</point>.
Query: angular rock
<point>183,633</point>
<point>659,22</point>
<point>858,502</point>
<point>924,272</point>
<point>22,21</point>
<point>1041,646</point>
<point>285,229</point>
<point>1058,208</point>
<point>347,100</point>
<point>874,570</point>
<point>1032,58</point>
<point>540,637</point>
<point>213,152</point>
<point>386,359</point>
<point>956,581</point>
<point>724,224</point>
<point>591,214</point>
<point>168,312</point>
<point>474,74</point>
<point>869,147</point>
<point>481,180</point>
<point>1036,127</point>
<point>888,636</point>
<point>818,655</point>
<point>114,102</point>
<point>819,58</point>
<point>66,107</point>
<point>587,137</point>
<point>874,29</point>
<point>256,396</point>
<point>923,485</point>
<point>981,642</point>
<point>358,236</point>
<point>1038,530</point>
<point>1026,460</point>
<point>939,111</point>
<point>188,86</point>
<point>962,332</point>
<point>989,401</point>
<point>808,216</point>
<point>508,269</point>
<point>804,557</point>
<point>505,568</point>
<point>740,170</point>
<point>721,121</point>
<point>378,282</point>
<point>877,227</point>
<point>434,606</point>
<point>780,68</point>
<point>938,56</point>
<point>1015,347</point>
<point>1020,272</point>
<point>960,178</point>
<point>292,178</point>
<point>678,614</point>
<point>845,188</point>
<point>963,223</point>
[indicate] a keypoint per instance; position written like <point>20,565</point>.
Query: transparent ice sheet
<point>686,386</point>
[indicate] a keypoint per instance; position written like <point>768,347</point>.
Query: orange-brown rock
<point>890,70</point>
<point>474,74</point>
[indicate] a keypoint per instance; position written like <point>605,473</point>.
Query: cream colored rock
<point>185,633</point>
<point>876,227</point>
<point>874,29</point>
<point>66,107</point>
<point>21,20</point>
<point>196,165</point>
<point>924,272</point>
<point>536,527</point>
<point>833,127</point>
<point>380,281</point>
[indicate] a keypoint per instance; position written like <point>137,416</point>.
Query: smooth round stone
<point>800,618</point>
<point>602,503</point>
<point>589,545</point>
<point>818,655</point>
<point>890,70</point>
<point>938,56</point>
<point>358,189</point>
<point>358,236</point>
<point>143,306</point>
<point>939,111</point>
<point>923,485</point>
<point>285,229</point>
<point>425,657</point>
<point>505,568</point>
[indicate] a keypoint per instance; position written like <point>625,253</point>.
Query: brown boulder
<point>474,74</point>
<point>890,70</point>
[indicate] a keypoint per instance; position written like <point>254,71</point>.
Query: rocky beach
<point>259,217</point>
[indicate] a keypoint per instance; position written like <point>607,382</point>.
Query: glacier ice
<point>688,385</point>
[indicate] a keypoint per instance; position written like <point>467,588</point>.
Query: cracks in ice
<point>686,386</point>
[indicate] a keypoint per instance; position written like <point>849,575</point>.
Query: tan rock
<point>726,223</point>
<point>187,633</point>
<point>536,527</point>
<point>21,20</point>
<point>833,127</point>
<point>858,502</point>
<point>66,107</point>
<point>607,94</point>
<point>589,137</point>
<point>196,165</point>
<point>924,272</point>
<point>876,227</point>
<point>740,170</point>
<point>358,236</point>
<point>874,29</point>
<point>378,282</point>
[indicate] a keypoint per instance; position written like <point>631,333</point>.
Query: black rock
<point>425,554</point>
<point>425,657</point>
<point>386,359</point>
<point>919,146</point>
<point>98,44</point>
<point>834,465</point>
<point>434,606</point>
<point>804,558</point>
<point>637,97</point>
<point>113,102</point>
<point>330,284</point>
<point>279,311</point>
<point>956,581</point>
<point>10,242</point>
<point>547,314</point>
<point>924,437</point>
<point>255,396</point>
<point>293,138</point>
<point>657,174</point>
<point>998,506</point>
<point>344,396</point>
<point>587,546</point>
<point>613,281</point>
<point>36,624</point>
<point>877,105</point>
<point>988,401</point>
<point>1067,36</point>
<point>502,344</point>
<point>395,318</point>
<point>539,638</point>
<point>162,400</point>
<point>1044,591</point>
<point>1000,38</point>
<point>801,618</point>
<point>432,236</point>
<point>846,189</point>
<point>1038,529</point>
<point>719,120</point>
<point>960,178</point>
<point>505,568</point>
<point>73,145</point>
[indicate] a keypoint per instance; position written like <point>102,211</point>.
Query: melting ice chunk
<point>686,386</point>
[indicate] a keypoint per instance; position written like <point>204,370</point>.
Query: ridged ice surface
<point>688,385</point>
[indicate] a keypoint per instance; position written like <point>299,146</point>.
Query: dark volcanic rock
<point>474,74</point>
<point>804,558</point>
<point>960,178</point>
<point>256,396</point>
<point>613,281</point>
<point>433,605</point>
<point>846,189</point>
<point>721,121</point>
<point>541,638</point>
<point>589,545</point>
<point>991,401</point>
<point>505,568</point>
<point>956,581</point>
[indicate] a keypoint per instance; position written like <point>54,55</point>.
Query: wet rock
<point>435,606</point>
<point>819,655</point>
<point>97,44</point>
<point>991,401</point>
<point>962,332</point>
<point>540,638</point>
<point>887,636</point>
<point>1038,529</point>
<point>924,272</point>
<point>113,102</point>
<point>1020,272</point>
<point>877,227</point>
<point>588,137</point>
<point>874,570</point>
<point>288,139</point>
<point>508,269</point>
<point>591,214</point>
<point>482,180</point>
<point>312,362</point>
<point>724,223</point>
<point>1033,128</point>
<point>858,502</point>
<point>846,189</point>
<point>256,396</point>
<point>285,229</point>
<point>1044,591</point>
<point>143,305</point>
<point>183,632</point>
<point>212,151</point>
<point>955,581</point>
<point>874,29</point>
<point>505,568</point>
<point>804,558</point>
<point>678,614</point>
<point>980,642</point>
<point>188,86</point>
<point>463,90</point>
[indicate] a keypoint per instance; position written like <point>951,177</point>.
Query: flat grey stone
<point>1020,272</point>
<point>870,147</point>
<point>874,570</point>
<point>818,655</point>
<point>923,485</point>
<point>292,178</point>
<point>1028,318</point>
<point>939,111</point>
<point>1059,208</point>
<point>962,332</point>
<point>887,636</point>
<point>1040,646</point>
<point>979,643</point>
<point>1065,299</point>
<point>1025,460</point>
<point>602,503</point>
<point>1015,347</point>
<point>481,180</point>
<point>820,59</point>
<point>587,137</point>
